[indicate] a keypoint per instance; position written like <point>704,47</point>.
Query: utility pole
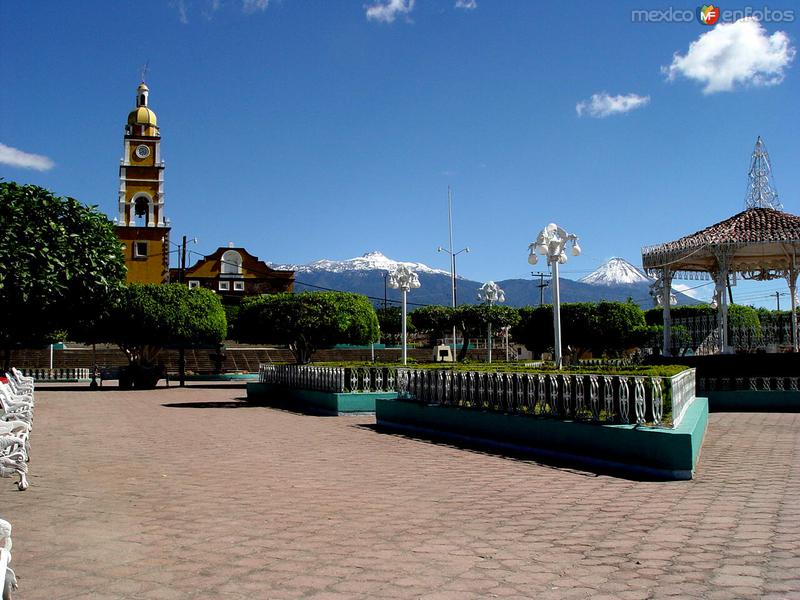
<point>541,285</point>
<point>183,259</point>
<point>778,299</point>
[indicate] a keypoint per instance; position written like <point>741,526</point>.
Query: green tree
<point>535,328</point>
<point>603,328</point>
<point>578,327</point>
<point>150,317</point>
<point>620,325</point>
<point>308,321</point>
<point>655,316</point>
<point>473,321</point>
<point>61,265</point>
<point>435,321</point>
<point>390,321</point>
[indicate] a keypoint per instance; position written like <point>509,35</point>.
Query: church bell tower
<point>141,224</point>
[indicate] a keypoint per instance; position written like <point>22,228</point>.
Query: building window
<point>193,283</point>
<point>224,286</point>
<point>238,286</point>
<point>140,249</point>
<point>231,264</point>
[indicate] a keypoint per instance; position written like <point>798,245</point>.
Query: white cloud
<point>387,11</point>
<point>183,12</point>
<point>467,4</point>
<point>251,6</point>
<point>731,54</point>
<point>604,104</point>
<point>24,160</point>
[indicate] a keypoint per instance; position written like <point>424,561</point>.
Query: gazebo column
<point>792,279</point>
<point>721,280</point>
<point>666,294</point>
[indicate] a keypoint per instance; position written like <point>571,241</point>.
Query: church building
<point>233,273</point>
<point>141,225</point>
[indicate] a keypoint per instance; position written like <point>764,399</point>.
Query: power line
<point>311,285</point>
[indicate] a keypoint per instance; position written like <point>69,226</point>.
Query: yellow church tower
<point>141,224</point>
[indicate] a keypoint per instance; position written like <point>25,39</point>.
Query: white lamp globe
<point>533,259</point>
<point>576,249</point>
<point>562,259</point>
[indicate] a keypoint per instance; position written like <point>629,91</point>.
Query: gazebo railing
<point>701,334</point>
<point>751,383</point>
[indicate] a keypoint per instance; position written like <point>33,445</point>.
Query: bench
<point>8,580</point>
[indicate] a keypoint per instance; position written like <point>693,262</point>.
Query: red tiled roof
<point>752,226</point>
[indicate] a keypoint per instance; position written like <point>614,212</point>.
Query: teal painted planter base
<point>326,403</point>
<point>754,401</point>
<point>650,452</point>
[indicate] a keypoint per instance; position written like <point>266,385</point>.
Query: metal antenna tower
<point>760,186</point>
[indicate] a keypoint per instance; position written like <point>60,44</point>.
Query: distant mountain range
<point>617,279</point>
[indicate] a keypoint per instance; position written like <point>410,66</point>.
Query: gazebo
<point>760,243</point>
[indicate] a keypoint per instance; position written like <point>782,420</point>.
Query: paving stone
<point>184,494</point>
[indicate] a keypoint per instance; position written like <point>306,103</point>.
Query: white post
<point>452,258</point>
<point>556,315</point>
<point>404,279</point>
<point>405,357</point>
<point>51,357</point>
<point>489,339</point>
<point>551,243</point>
<point>722,311</point>
<point>666,278</point>
<point>490,293</point>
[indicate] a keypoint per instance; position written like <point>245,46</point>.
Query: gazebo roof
<point>757,239</point>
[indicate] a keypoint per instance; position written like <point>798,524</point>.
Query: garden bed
<point>652,452</point>
<point>315,401</point>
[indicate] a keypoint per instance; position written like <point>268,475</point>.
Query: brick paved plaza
<point>187,493</point>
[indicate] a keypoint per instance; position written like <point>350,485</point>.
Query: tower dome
<point>142,120</point>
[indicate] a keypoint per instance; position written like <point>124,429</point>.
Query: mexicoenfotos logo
<point>708,15</point>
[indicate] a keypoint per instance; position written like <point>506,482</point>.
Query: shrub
<point>308,321</point>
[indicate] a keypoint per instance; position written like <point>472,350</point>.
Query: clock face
<point>142,151</point>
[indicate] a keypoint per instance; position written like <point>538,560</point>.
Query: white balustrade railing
<point>330,379</point>
<point>595,398</point>
<point>587,397</point>
<point>682,391</point>
<point>74,374</point>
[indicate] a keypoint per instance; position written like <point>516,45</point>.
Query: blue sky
<point>311,129</point>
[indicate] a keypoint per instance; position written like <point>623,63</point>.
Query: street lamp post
<point>453,279</point>
<point>551,243</point>
<point>453,255</point>
<point>490,293</point>
<point>404,279</point>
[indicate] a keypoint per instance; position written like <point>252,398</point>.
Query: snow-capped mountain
<point>616,280</point>
<point>371,261</point>
<point>616,271</point>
